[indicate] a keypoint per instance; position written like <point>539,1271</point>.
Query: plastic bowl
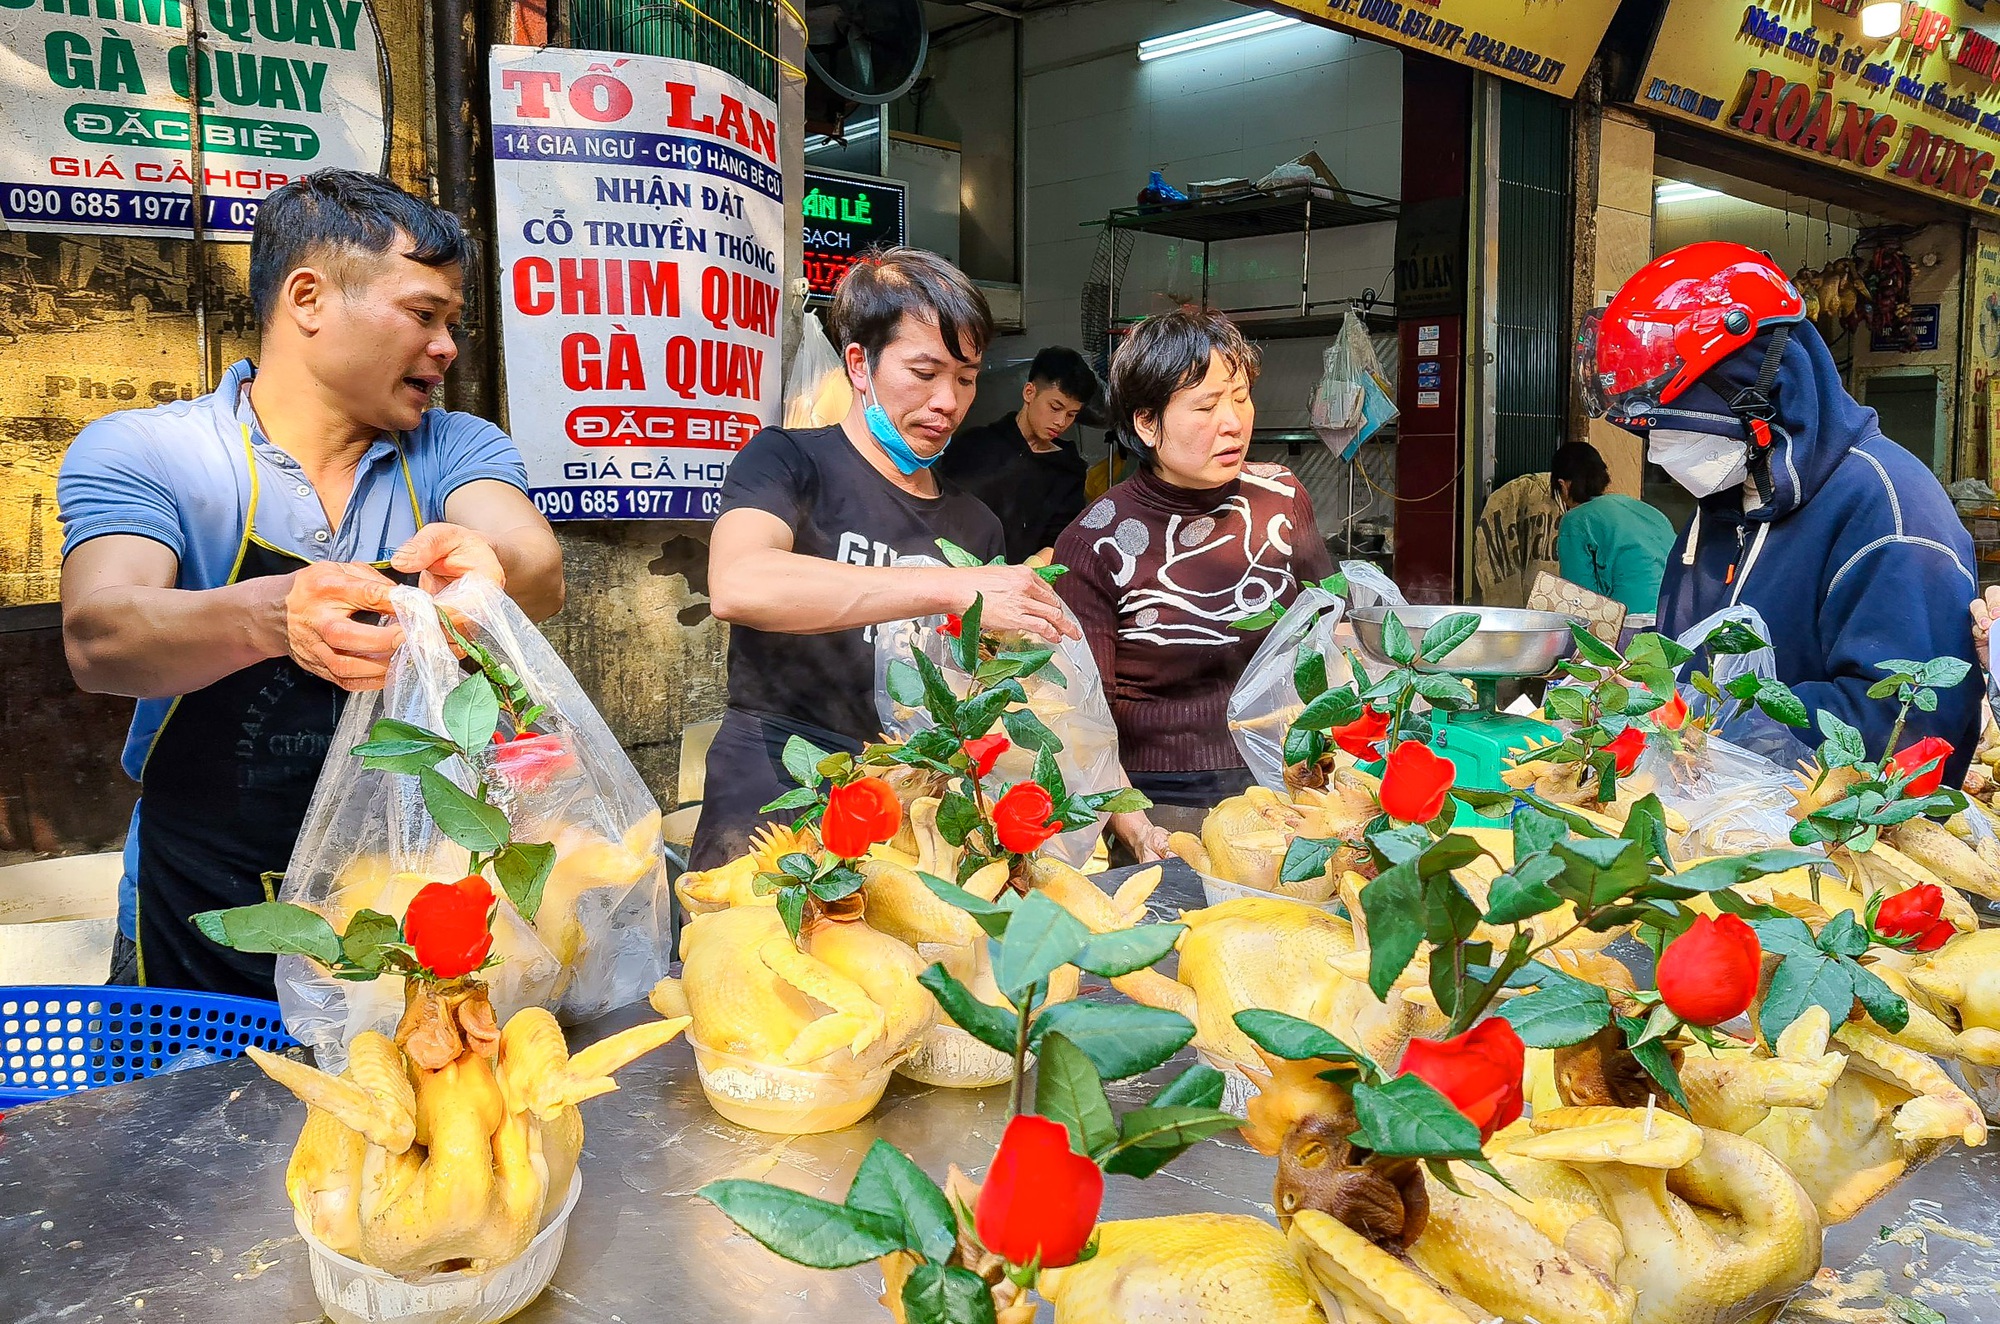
<point>950,1057</point>
<point>354,1293</point>
<point>1216,891</point>
<point>785,1100</point>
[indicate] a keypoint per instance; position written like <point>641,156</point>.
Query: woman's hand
<point>1145,839</point>
<point>1984,612</point>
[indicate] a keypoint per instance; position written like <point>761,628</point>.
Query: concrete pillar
<point>1614,239</point>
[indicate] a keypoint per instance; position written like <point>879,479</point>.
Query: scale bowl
<point>1509,644</point>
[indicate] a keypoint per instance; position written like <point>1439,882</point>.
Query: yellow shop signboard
<point>1919,109</point>
<point>1543,43</point>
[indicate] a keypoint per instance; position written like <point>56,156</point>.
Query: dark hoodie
<point>1864,561</point>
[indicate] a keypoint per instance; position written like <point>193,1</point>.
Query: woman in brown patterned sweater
<point>1164,562</point>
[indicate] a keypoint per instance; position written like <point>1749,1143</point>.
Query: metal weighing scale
<point>1510,644</point>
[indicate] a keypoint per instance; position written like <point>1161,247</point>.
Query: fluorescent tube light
<point>1214,34</point>
<point>1677,191</point>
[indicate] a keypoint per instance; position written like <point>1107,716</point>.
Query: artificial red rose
<point>985,752</point>
<point>1040,1197</point>
<point>1626,749</point>
<point>953,625</point>
<point>1480,1072</point>
<point>1673,714</point>
<point>1415,783</point>
<point>1709,974</point>
<point>1362,737</point>
<point>1021,818</point>
<point>446,926</point>
<point>1931,749</point>
<point>1915,914</point>
<point>858,815</point>
<point>531,762</point>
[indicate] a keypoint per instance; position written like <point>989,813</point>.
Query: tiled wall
<point>1098,120</point>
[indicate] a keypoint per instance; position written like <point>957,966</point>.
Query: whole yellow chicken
<point>1244,839</point>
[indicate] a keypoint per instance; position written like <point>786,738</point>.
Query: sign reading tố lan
<point>98,125</point>
<point>640,218</point>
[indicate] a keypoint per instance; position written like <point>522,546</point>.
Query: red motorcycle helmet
<point>1679,316</point>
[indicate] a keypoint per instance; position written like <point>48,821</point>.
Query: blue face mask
<point>907,461</point>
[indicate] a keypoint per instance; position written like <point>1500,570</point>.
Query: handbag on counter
<point>1603,617</point>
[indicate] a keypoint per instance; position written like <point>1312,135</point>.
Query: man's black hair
<point>342,212</point>
<point>1166,354</point>
<point>1578,464</point>
<point>877,291</point>
<point>1066,370</point>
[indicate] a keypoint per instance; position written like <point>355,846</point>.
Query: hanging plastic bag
<point>817,392</point>
<point>1353,398</point>
<point>1749,727</point>
<point>600,936</point>
<point>1067,695</point>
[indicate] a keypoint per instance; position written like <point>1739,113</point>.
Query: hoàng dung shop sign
<point>640,218</point>
<point>95,95</point>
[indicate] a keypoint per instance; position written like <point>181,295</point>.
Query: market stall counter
<point>163,1200</point>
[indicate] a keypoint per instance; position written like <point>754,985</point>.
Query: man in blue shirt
<point>224,559</point>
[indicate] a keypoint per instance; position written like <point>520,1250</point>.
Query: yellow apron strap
<point>409,483</point>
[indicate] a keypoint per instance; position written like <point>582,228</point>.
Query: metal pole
<point>1204,275</point>
<point>198,197</point>
<point>1306,259</point>
<point>461,119</point>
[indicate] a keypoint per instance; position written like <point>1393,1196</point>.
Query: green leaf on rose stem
<point>956,816</point>
<point>1405,1117</point>
<point>368,934</point>
<point>836,766</point>
<point>946,1294</point>
<point>1445,691</point>
<point>273,926</point>
<point>1535,832</point>
<point>1558,1015</point>
<point>1443,638</point>
<point>1259,620</point>
<point>1150,1138</point>
<point>1843,747</point>
<point>939,700</point>
<point>1882,689</point>
<point>799,797</point>
<point>1303,747</point>
<point>1309,674</point>
<point>1330,709</point>
<point>993,1026</point>
<point>1599,872</point>
<point>1396,641</point>
<point>955,555</point>
<point>1120,1039</point>
<point>1449,914</point>
<point>1801,982</point>
<point>472,712</point>
<point>1566,703</point>
<point>1067,1090</point>
<point>1734,639</point>
<point>1660,1022</point>
<point>522,870</point>
<point>1883,1003</point>
<point>977,715</point>
<point>835,883</point>
<point>1786,936</point>
<point>471,823</point>
<point>1294,1039</point>
<point>905,685</point>
<point>1656,650</point>
<point>802,759</point>
<point>1028,731</point>
<point>1126,950</point>
<point>410,763</point>
<point>1843,936</point>
<point>1734,870</point>
<point>792,907</point>
<point>1780,704</point>
<point>1306,857</point>
<point>804,1229</point>
<point>990,916</point>
<point>1041,938</point>
<point>1200,1086</point>
<point>889,1184</point>
<point>1048,776</point>
<point>1653,1056</point>
<point>1523,893</point>
<point>1393,903</point>
<point>1944,673</point>
<point>385,729</point>
<point>1122,800</point>
<point>965,644</point>
<point>799,865</point>
<point>997,669</point>
<point>1592,649</point>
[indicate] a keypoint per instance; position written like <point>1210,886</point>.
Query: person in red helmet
<point>1843,541</point>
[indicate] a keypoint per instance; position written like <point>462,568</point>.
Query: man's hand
<point>442,553</point>
<point>1016,598</point>
<point>321,631</point>
<point>1984,612</point>
<point>1144,838</point>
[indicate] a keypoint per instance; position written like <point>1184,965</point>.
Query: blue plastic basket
<point>56,1039</point>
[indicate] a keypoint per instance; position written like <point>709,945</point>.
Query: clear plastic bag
<point>1067,695</point>
<point>817,392</point>
<point>1733,800</point>
<point>1353,399</point>
<point>1750,728</point>
<point>600,937</point>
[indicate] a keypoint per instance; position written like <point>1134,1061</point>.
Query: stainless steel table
<point>163,1201</point>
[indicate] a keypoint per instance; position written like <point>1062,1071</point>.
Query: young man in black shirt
<point>1019,464</point>
<point>801,560</point>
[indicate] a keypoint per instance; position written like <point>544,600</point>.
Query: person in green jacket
<point>1608,543</point>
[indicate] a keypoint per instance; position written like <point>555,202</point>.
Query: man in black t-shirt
<point>1019,464</point>
<point>801,560</point>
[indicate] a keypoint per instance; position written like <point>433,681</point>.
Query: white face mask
<point>1701,462</point>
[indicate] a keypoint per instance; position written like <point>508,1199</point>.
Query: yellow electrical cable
<point>1410,501</point>
<point>786,65</point>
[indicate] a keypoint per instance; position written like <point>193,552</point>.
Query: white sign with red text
<point>641,220</point>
